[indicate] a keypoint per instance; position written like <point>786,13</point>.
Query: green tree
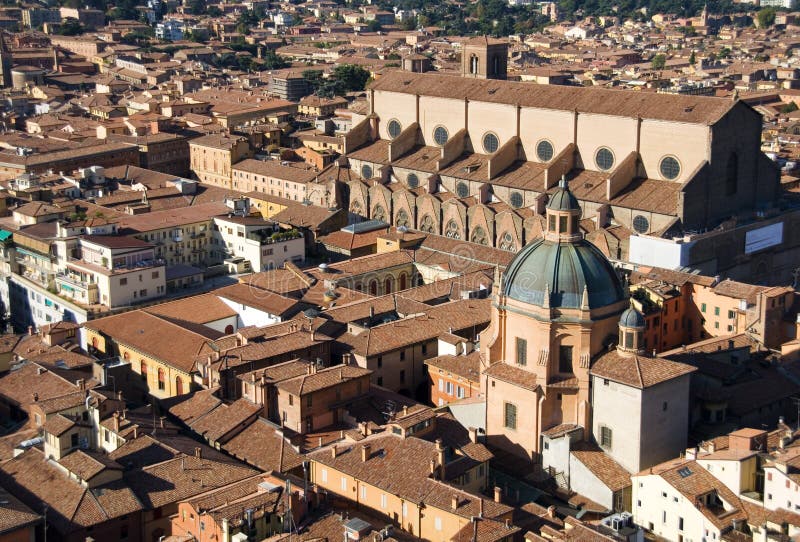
<point>692,58</point>
<point>71,27</point>
<point>766,17</point>
<point>659,62</point>
<point>350,76</point>
<point>791,107</point>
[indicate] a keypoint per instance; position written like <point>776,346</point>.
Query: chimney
<point>440,455</point>
<point>551,512</point>
<point>454,502</point>
<point>473,435</point>
<point>371,311</point>
<point>40,370</point>
<point>30,330</point>
<point>161,422</point>
<point>405,410</point>
<point>116,422</point>
<point>334,452</point>
<point>712,447</point>
<point>81,384</point>
<point>498,494</point>
<point>366,452</point>
<point>433,468</point>
<point>198,452</point>
<point>691,453</point>
<point>119,396</point>
<point>135,432</point>
<point>319,442</point>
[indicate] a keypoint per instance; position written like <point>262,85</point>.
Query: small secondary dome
<point>632,318</point>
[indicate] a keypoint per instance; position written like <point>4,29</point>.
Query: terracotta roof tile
<point>638,371</point>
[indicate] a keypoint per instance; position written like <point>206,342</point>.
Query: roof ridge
<point>639,371</point>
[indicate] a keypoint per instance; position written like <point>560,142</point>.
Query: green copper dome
<point>563,199</point>
<point>565,269</point>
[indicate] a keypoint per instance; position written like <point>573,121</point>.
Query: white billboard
<point>762,238</point>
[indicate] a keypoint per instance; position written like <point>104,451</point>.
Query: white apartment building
<point>248,243</point>
<point>681,501</point>
<point>113,271</point>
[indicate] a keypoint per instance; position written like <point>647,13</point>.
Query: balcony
<point>73,287</point>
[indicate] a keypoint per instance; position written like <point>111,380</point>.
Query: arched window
<point>426,224</point>
<point>373,287</point>
<point>473,64</point>
<point>387,285</point>
<point>402,219</point>
<point>143,369</point>
<point>378,213</point>
<point>126,356</point>
<point>402,280</point>
<point>178,386</point>
<point>452,230</point>
<point>507,242</point>
<point>732,175</point>
<point>162,383</point>
<point>228,329</point>
<point>479,236</point>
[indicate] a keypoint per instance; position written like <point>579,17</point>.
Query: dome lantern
<point>631,331</point>
<point>563,214</point>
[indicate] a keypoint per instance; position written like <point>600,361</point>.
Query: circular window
<point>440,135</point>
<point>394,128</point>
<point>490,143</point>
<point>604,159</point>
<point>366,171</point>
<point>462,190</point>
<point>669,167</point>
<point>544,150</point>
<point>516,200</point>
<point>412,180</point>
<point>640,224</point>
